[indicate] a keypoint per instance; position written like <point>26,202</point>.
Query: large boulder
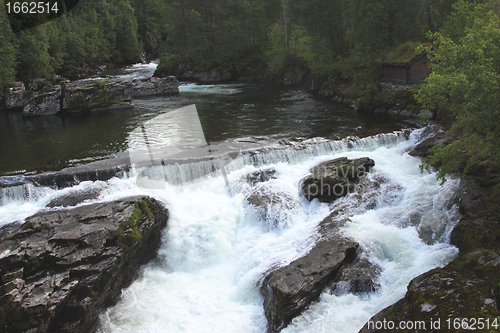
<point>86,95</point>
<point>290,289</point>
<point>46,102</point>
<point>333,179</point>
<point>155,86</point>
<point>17,97</point>
<point>60,269</point>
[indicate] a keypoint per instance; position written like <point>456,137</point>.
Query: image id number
<point>31,8</point>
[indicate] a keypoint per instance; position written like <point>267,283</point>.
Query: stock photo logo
<point>25,15</point>
<point>159,146</point>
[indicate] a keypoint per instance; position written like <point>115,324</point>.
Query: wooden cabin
<point>412,72</point>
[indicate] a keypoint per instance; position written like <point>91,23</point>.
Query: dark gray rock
<point>422,149</point>
<point>17,97</point>
<point>290,289</point>
<point>333,179</point>
<point>358,277</point>
<point>46,102</point>
<point>76,197</point>
<point>155,86</point>
<point>261,176</point>
<point>61,269</point>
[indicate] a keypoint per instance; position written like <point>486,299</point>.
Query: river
<point>215,251</point>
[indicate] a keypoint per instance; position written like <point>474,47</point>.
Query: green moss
<point>403,53</point>
<point>125,238</point>
<point>28,225</point>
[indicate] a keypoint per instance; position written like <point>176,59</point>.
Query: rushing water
<point>215,250</point>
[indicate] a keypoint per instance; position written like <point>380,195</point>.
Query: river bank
<point>465,294</point>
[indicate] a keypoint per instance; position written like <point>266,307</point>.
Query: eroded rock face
<point>155,86</point>
<point>17,97</point>
<point>333,179</point>
<point>60,269</point>
<point>45,103</point>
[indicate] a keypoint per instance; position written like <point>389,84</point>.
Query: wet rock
<point>432,136</point>
<point>290,289</point>
<point>17,97</point>
<point>333,179</point>
<point>466,288</point>
<point>76,197</point>
<point>61,269</point>
<point>261,176</point>
<point>46,102</point>
<point>355,278</point>
<point>155,86</point>
<point>273,208</point>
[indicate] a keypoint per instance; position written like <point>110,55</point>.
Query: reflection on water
<point>228,112</point>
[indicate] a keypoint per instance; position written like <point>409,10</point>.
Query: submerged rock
<point>333,179</point>
<point>60,269</point>
<point>273,208</point>
<point>76,197</point>
<point>261,176</point>
<point>335,261</point>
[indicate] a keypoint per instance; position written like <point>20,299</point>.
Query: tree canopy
<point>465,88</point>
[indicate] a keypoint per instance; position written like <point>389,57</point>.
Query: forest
<point>342,40</point>
<point>336,37</point>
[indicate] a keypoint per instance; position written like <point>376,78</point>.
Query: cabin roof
<point>403,54</point>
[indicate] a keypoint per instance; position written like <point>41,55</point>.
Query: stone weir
<point>201,161</point>
<point>60,269</point>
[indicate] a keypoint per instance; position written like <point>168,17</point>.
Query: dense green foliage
<point>336,37</point>
<point>464,87</point>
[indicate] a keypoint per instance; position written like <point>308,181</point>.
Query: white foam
<point>214,254</point>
